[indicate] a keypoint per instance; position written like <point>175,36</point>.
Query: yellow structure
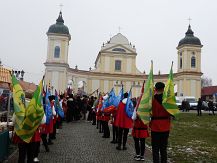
<point>5,75</point>
<point>116,65</point>
<point>188,77</point>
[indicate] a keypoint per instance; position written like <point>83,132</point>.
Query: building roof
<point>189,38</point>
<point>119,39</point>
<point>208,90</point>
<point>27,87</point>
<point>4,85</point>
<point>59,27</point>
<point>5,76</point>
<point>118,43</point>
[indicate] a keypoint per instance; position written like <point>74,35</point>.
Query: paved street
<point>80,142</point>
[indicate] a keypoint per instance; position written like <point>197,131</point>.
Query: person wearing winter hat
<point>160,126</point>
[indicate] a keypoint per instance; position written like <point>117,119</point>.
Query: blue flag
<point>48,110</point>
<point>105,104</point>
<point>129,108</point>
<point>112,97</point>
<point>119,97</point>
<point>58,108</point>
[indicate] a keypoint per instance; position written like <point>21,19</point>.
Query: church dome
<point>59,27</point>
<point>119,39</point>
<point>189,38</point>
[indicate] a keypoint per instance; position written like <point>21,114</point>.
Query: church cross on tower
<point>119,29</point>
<point>61,6</point>
<point>189,19</point>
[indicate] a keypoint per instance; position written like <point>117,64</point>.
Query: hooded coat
<point>121,119</point>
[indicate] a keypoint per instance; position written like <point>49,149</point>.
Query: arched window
<point>57,52</point>
<point>180,65</point>
<point>193,61</point>
<point>118,50</point>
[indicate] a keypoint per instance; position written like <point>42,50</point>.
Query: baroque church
<point>115,65</point>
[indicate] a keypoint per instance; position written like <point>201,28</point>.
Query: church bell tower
<point>189,65</point>
<point>57,55</point>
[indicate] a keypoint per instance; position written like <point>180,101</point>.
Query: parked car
<point>179,103</point>
<point>205,106</point>
<point>191,99</point>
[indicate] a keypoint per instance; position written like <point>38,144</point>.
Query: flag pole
<point>9,104</point>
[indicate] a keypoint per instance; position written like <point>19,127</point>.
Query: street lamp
<point>18,74</point>
<point>22,74</point>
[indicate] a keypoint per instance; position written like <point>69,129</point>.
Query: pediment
<point>118,48</point>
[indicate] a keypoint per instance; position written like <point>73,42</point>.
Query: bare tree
<point>205,81</point>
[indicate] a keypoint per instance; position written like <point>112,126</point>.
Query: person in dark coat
<point>79,106</point>
<point>90,109</point>
<point>94,111</point>
<point>199,107</point>
<point>84,107</point>
<point>70,114</point>
<point>211,107</point>
<point>185,105</point>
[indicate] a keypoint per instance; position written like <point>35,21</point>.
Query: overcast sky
<point>154,26</point>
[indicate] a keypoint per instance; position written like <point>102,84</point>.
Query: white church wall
<point>129,65</point>
<point>95,84</point>
<point>107,63</point>
<point>106,85</point>
<point>193,88</point>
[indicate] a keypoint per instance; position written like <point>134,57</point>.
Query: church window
<point>118,65</point>
<point>119,50</point>
<point>180,65</point>
<point>193,62</point>
<point>57,52</point>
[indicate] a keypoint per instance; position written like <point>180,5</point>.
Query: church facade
<point>116,65</point>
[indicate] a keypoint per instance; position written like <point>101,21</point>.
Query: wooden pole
<point>9,104</point>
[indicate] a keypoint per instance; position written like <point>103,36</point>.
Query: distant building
<point>5,82</point>
<point>115,65</point>
<point>5,78</point>
<point>6,88</point>
<point>208,93</point>
<point>28,88</point>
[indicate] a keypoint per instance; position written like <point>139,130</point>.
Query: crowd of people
<point>158,128</point>
<point>79,108</point>
<point>90,109</point>
<point>207,106</point>
<point>45,133</point>
<point>201,105</point>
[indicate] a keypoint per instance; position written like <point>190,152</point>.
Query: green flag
<point>145,106</point>
<point>169,101</point>
<point>34,114</point>
<point>27,119</point>
<point>19,105</point>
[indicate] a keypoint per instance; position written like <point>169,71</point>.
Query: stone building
<point>116,65</point>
